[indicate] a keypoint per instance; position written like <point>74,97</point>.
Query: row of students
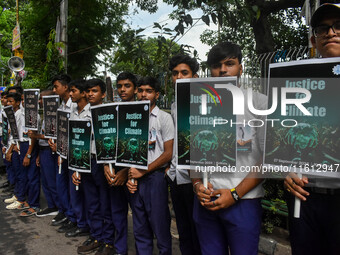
<point>19,157</point>
<point>148,194</point>
<point>225,216</point>
<point>102,211</point>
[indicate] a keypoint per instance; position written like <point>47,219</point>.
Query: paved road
<point>36,236</point>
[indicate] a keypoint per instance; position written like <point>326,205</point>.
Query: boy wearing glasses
<point>317,231</point>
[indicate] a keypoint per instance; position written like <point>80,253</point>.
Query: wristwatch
<point>234,194</point>
<point>28,155</point>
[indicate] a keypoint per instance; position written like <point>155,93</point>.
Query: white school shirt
<point>85,114</point>
<point>162,125</point>
<point>181,175</point>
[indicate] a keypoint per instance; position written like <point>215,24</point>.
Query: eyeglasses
<point>322,30</point>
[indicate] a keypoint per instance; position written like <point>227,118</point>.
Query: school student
<point>8,186</point>
<point>227,213</point>
<point>149,189</point>
<point>66,217</point>
<point>127,88</point>
<point>182,195</point>
<point>27,174</point>
<point>80,111</point>
<point>12,155</point>
<point>317,230</point>
<point>47,161</point>
<point>28,155</point>
<point>96,190</point>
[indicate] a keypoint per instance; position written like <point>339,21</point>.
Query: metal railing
<point>257,66</point>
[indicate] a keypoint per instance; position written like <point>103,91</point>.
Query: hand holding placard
<point>297,204</point>
<point>77,186</point>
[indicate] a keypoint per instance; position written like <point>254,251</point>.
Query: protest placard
<point>79,142</point>
<point>104,119</point>
<point>31,100</point>
<point>133,134</point>
<point>50,104</point>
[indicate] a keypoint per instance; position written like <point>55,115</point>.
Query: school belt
<point>162,169</point>
<point>324,191</point>
<point>44,147</point>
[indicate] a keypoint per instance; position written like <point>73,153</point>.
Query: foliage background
<point>98,34</point>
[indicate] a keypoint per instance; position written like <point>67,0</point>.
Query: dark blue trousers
<point>19,190</point>
<point>151,214</point>
<point>49,171</point>
<point>10,172</point>
<point>77,200</point>
<point>97,203</point>
<point>63,190</point>
<point>182,197</point>
<point>31,175</point>
<point>119,210</point>
<point>317,231</point>
<point>236,228</point>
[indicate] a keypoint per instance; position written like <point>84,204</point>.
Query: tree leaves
<point>93,27</point>
<point>148,5</point>
<point>206,19</point>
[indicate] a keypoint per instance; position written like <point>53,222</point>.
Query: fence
<point>257,67</point>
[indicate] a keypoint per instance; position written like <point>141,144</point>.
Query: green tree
<point>93,26</point>
<point>254,24</point>
<point>149,56</point>
<point>7,17</point>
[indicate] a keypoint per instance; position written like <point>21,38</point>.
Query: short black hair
<point>4,93</point>
<point>64,79</point>
<point>148,80</point>
<point>18,89</point>
<point>96,82</point>
<point>184,59</point>
<point>16,96</point>
<point>224,50</point>
<point>79,84</point>
<point>127,76</point>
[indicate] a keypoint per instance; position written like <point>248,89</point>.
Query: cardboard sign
<point>133,134</point>
<point>104,120</point>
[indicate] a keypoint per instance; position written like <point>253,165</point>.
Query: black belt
<point>44,147</point>
<point>324,191</point>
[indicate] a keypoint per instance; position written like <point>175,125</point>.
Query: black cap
<point>323,11</point>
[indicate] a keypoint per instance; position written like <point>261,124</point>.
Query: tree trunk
<point>263,35</point>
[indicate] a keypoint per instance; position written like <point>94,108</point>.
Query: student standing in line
<point>28,156</point>
<point>127,88</point>
<point>14,155</point>
<point>96,189</point>
<point>47,161</point>
<point>7,187</point>
<point>149,191</point>
<point>66,217</point>
<point>228,212</point>
<point>80,111</point>
<point>317,231</point>
<point>182,195</point>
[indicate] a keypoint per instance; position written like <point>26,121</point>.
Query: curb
<point>270,245</point>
